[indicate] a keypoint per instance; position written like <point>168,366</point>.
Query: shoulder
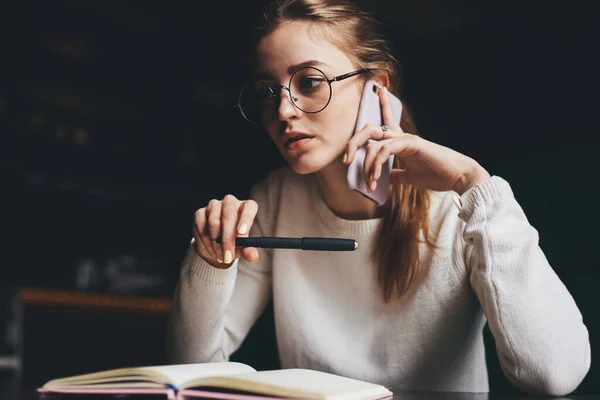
<point>448,228</point>
<point>443,205</point>
<point>444,220</point>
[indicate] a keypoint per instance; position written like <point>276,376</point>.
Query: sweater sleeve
<point>542,343</point>
<point>214,309</point>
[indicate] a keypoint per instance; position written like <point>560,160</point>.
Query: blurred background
<point>117,122</point>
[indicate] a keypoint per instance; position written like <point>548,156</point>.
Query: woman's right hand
<point>227,219</point>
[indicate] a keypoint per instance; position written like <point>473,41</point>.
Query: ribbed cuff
<point>485,190</point>
<point>196,266</point>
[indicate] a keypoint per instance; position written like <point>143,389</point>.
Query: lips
<point>292,137</point>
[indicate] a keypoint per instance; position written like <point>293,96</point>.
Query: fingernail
<point>227,258</point>
<point>257,257</point>
<point>219,260</point>
<point>345,158</point>
<point>243,228</point>
<point>371,178</point>
<point>385,89</point>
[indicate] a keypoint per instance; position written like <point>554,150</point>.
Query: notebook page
<point>305,383</point>
<point>180,373</point>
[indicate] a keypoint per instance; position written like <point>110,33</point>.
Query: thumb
<point>249,254</point>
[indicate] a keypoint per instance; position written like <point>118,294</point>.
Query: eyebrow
<point>293,68</point>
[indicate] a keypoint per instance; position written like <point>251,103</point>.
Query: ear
<point>382,78</point>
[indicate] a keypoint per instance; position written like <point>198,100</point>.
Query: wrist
<point>471,178</point>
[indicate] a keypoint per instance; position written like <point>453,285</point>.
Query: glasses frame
<point>293,101</point>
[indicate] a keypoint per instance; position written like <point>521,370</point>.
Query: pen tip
<point>355,245</point>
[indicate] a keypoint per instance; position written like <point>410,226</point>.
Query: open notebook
<point>221,380</point>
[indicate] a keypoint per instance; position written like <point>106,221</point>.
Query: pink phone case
<point>370,113</point>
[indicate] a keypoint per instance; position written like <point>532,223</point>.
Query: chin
<point>306,164</point>
<point>303,169</point>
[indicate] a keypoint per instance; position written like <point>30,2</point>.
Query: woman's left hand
<point>427,164</point>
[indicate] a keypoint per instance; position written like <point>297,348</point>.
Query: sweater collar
<point>337,224</point>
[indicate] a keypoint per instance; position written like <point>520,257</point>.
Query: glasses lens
<point>310,90</point>
<point>257,103</point>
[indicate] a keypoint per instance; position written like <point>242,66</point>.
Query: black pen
<point>303,243</point>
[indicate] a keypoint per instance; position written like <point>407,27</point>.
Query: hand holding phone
<point>370,113</point>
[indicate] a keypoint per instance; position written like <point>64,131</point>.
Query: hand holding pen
<point>300,243</point>
<point>221,234</point>
<point>226,219</point>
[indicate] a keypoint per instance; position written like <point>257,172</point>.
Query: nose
<point>286,109</point>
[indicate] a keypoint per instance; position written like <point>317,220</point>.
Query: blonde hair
<point>406,212</point>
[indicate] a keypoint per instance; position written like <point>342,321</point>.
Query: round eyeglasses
<point>309,90</point>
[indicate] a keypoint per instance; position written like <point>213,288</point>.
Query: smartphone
<point>369,112</point>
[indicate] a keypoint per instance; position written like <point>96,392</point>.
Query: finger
<point>213,217</point>
<point>386,107</point>
<point>380,158</point>
<point>201,233</point>
<point>247,213</point>
<point>249,254</point>
<point>196,241</point>
<point>200,247</point>
<point>402,146</point>
<point>370,154</point>
<point>360,138</point>
<point>229,219</point>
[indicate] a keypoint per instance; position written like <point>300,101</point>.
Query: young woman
<point>450,250</point>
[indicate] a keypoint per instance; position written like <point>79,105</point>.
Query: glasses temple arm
<point>348,75</point>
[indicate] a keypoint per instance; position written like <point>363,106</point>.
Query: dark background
<point>117,123</point>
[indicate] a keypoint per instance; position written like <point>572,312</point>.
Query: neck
<point>343,201</point>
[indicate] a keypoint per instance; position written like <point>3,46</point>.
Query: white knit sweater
<point>329,311</point>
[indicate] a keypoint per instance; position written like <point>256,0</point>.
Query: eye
<point>311,83</point>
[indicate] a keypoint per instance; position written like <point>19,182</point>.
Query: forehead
<point>294,43</point>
